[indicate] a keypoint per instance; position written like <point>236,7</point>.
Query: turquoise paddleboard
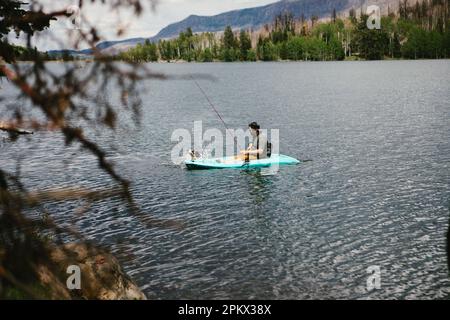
<point>231,162</point>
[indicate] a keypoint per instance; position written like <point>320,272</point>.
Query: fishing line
<point>215,110</point>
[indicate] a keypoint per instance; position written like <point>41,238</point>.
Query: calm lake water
<point>377,192</point>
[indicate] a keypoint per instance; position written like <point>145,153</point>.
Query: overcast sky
<point>148,24</point>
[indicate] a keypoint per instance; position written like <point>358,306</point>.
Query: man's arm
<point>248,151</point>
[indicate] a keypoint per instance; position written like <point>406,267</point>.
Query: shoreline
<point>233,62</point>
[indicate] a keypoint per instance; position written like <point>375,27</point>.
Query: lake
<point>375,196</point>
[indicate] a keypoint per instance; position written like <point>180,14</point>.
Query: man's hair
<point>254,125</point>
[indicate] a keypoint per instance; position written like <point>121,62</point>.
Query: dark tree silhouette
<point>61,98</point>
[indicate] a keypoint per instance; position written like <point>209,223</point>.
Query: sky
<point>108,21</point>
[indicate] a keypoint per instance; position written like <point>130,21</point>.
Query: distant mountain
<point>259,16</point>
<point>246,18</point>
<point>254,17</point>
<point>60,52</point>
<point>105,45</point>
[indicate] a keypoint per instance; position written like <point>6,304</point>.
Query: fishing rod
<point>214,108</point>
<point>220,117</point>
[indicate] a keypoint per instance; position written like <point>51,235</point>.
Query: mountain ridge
<point>247,18</point>
<point>253,17</point>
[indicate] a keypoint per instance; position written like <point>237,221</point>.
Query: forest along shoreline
<point>413,32</point>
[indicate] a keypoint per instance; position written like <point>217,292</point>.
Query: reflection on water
<point>259,186</point>
<point>376,193</point>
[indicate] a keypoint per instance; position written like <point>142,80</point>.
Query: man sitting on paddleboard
<point>258,148</point>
